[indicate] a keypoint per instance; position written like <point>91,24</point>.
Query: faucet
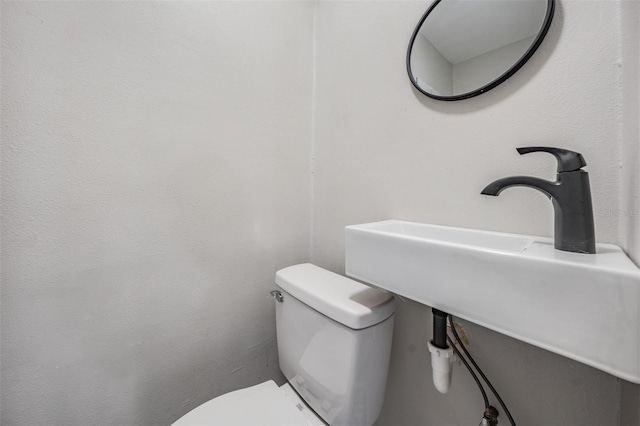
<point>570,195</point>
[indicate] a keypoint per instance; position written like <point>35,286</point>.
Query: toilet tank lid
<point>344,300</point>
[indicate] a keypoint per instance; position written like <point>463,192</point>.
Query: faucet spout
<point>497,186</point>
<point>570,196</point>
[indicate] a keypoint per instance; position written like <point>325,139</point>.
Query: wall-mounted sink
<point>583,306</point>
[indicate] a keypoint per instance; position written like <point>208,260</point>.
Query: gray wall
<point>384,151</point>
<point>483,69</point>
<point>156,170</point>
<point>155,175</point>
<point>431,67</point>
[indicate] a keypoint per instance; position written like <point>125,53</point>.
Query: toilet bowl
<point>334,343</point>
<point>264,404</point>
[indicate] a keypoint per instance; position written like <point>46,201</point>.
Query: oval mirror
<point>462,48</point>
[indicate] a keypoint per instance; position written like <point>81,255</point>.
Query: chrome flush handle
<point>276,295</point>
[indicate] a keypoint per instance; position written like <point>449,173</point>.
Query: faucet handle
<point>568,161</point>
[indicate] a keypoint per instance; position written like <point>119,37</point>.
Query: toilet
<point>334,344</point>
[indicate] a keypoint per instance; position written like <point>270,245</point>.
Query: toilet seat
<point>263,404</point>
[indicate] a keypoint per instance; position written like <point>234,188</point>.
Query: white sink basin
<point>583,306</point>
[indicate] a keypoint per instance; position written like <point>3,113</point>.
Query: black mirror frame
<point>534,46</point>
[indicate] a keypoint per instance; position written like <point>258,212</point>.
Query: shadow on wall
<point>170,386</point>
<point>164,395</point>
<point>512,84</point>
<point>528,379</point>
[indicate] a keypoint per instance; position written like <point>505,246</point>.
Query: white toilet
<point>334,344</point>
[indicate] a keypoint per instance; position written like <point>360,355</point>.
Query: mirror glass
<point>462,48</point>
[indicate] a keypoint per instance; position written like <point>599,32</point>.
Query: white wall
<point>629,212</point>
<point>155,172</point>
<point>483,69</point>
<point>383,151</point>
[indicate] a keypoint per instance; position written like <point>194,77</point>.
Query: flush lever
<point>276,295</point>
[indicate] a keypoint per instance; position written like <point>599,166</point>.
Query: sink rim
<point>546,251</point>
<point>373,227</point>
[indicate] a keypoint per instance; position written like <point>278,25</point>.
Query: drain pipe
<point>441,353</point>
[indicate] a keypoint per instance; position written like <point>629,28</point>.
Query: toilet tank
<point>334,342</point>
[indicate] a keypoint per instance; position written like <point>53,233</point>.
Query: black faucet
<point>570,195</point>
